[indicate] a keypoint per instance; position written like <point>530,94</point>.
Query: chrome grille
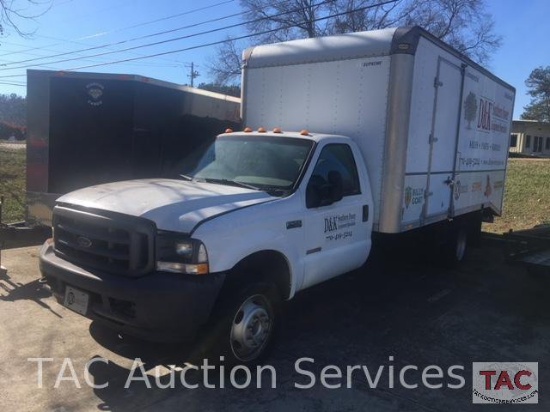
<point>113,243</point>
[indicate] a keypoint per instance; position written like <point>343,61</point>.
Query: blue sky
<point>70,25</point>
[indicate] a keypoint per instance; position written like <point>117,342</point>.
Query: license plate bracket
<point>76,300</point>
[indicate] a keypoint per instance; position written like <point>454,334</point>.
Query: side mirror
<point>320,192</point>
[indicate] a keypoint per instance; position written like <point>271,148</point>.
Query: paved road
<point>385,317</point>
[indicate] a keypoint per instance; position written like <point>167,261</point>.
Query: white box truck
<point>381,132</point>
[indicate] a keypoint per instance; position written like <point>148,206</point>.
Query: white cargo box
<point>432,125</point>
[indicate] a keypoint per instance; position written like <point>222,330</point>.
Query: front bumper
<point>158,307</point>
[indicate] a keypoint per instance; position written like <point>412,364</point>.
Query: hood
<point>172,204</point>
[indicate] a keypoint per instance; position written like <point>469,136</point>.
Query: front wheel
<point>247,323</point>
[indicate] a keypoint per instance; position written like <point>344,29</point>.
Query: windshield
<point>263,163</point>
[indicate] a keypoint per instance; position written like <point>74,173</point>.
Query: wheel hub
<point>251,328</point>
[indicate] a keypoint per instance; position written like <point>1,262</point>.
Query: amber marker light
<point>247,130</point>
<point>304,132</point>
<point>261,130</point>
<point>277,130</point>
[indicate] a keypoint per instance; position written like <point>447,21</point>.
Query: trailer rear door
<point>443,138</point>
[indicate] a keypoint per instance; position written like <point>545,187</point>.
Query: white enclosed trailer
<point>432,125</point>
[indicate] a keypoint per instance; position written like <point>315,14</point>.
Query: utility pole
<point>193,74</point>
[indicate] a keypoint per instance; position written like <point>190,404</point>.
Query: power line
<point>122,29</point>
<point>14,84</point>
<point>234,38</point>
<point>42,56</point>
<point>169,40</point>
<point>205,44</point>
<point>173,16</point>
<point>103,46</point>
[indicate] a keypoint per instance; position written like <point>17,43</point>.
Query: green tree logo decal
<point>470,109</point>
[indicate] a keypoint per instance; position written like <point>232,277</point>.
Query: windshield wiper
<point>185,177</point>
<point>231,183</point>
<point>276,191</point>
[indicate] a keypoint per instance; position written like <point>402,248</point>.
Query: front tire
<point>247,324</point>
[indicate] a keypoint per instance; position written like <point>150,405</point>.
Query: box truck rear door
<point>443,138</point>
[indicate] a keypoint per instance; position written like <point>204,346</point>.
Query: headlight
<point>181,255</point>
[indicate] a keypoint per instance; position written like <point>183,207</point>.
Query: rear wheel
<point>454,249</point>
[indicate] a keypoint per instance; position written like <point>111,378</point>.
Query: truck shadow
<point>150,353</point>
<point>530,248</point>
<point>155,374</point>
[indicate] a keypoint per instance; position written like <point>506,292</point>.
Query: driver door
<point>336,239</point>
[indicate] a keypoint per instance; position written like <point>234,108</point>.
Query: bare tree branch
<point>14,12</point>
<point>225,68</point>
<point>463,24</point>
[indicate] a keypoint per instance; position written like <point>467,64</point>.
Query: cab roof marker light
<point>247,130</point>
<point>277,130</point>
<point>228,130</point>
<point>304,132</point>
<point>261,130</point>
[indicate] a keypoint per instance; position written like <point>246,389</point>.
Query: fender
<point>231,237</point>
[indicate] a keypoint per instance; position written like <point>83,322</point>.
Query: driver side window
<point>335,167</point>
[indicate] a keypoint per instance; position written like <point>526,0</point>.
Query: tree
<point>228,70</point>
<point>538,84</point>
<point>287,19</point>
<point>13,109</point>
<point>233,90</point>
<point>463,24</point>
<point>13,12</point>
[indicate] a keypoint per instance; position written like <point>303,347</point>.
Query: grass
<point>12,182</point>
<point>526,197</point>
<point>526,201</point>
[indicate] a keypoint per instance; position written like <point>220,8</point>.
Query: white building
<point>530,137</point>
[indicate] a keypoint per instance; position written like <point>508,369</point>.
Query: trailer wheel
<point>247,324</point>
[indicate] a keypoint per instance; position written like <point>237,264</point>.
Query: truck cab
<point>155,258</point>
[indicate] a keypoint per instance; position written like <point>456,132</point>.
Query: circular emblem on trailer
<point>83,242</point>
<point>95,93</point>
